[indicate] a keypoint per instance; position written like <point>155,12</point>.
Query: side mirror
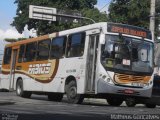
<point>102,38</point>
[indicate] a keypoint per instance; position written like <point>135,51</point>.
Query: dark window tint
<point>43,50</point>
<point>30,54</point>
<point>75,47</point>
<point>21,53</point>
<point>58,47</point>
<point>7,55</point>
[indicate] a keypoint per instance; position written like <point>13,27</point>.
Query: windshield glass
<point>126,54</point>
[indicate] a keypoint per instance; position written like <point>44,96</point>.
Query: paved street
<point>38,107</point>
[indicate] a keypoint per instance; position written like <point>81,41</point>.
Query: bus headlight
<point>108,80</point>
<point>104,76</point>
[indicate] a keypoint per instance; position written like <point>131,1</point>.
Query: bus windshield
<point>127,55</point>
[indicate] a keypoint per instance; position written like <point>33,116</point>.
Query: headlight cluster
<point>106,78</point>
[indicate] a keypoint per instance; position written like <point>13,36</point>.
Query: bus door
<point>91,62</point>
<point>12,70</point>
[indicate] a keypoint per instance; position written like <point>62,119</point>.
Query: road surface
<point>38,107</point>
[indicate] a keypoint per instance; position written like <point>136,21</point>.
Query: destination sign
<point>129,30</point>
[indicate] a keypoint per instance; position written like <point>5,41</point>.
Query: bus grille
<point>123,78</point>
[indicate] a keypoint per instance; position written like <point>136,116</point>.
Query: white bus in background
<point>102,60</point>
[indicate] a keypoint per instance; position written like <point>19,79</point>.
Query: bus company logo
<point>39,69</point>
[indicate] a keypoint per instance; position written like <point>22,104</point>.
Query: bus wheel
<point>19,90</point>
<point>55,97</point>
<point>71,92</point>
<point>150,105</point>
<point>114,101</point>
<point>130,102</point>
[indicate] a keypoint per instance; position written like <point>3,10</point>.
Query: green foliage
<point>14,40</point>
<point>45,27</point>
<point>157,17</point>
<point>133,12</point>
<point>10,39</point>
<point>95,15</point>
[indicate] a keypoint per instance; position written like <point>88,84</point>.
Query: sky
<point>8,12</point>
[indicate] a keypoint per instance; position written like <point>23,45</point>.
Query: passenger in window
<point>81,51</point>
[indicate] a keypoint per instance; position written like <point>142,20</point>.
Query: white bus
<point>103,60</point>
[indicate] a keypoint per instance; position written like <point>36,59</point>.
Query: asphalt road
<point>38,107</point>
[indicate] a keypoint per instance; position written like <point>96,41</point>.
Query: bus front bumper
<point>106,88</point>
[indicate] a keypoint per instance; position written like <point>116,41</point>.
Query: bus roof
<point>56,34</point>
<point>70,31</point>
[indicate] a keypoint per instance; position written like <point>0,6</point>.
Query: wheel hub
<point>73,92</point>
<point>19,90</point>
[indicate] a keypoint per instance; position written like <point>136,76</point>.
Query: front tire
<point>150,105</point>
<point>20,91</point>
<point>71,92</point>
<point>114,101</point>
<point>130,102</point>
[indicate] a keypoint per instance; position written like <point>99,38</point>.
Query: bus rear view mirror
<point>102,38</point>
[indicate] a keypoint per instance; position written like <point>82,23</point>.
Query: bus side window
<point>30,53</point>
<point>21,53</point>
<point>58,47</point>
<point>43,50</point>
<point>75,45</point>
<point>7,55</point>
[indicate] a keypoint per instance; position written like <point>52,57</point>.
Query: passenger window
<point>58,47</point>
<point>75,45</point>
<point>30,54</point>
<point>21,53</point>
<point>43,50</point>
<point>7,55</point>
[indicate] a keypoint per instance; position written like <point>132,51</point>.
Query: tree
<point>13,39</point>
<point>45,27</point>
<point>133,12</point>
<point>157,18</point>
